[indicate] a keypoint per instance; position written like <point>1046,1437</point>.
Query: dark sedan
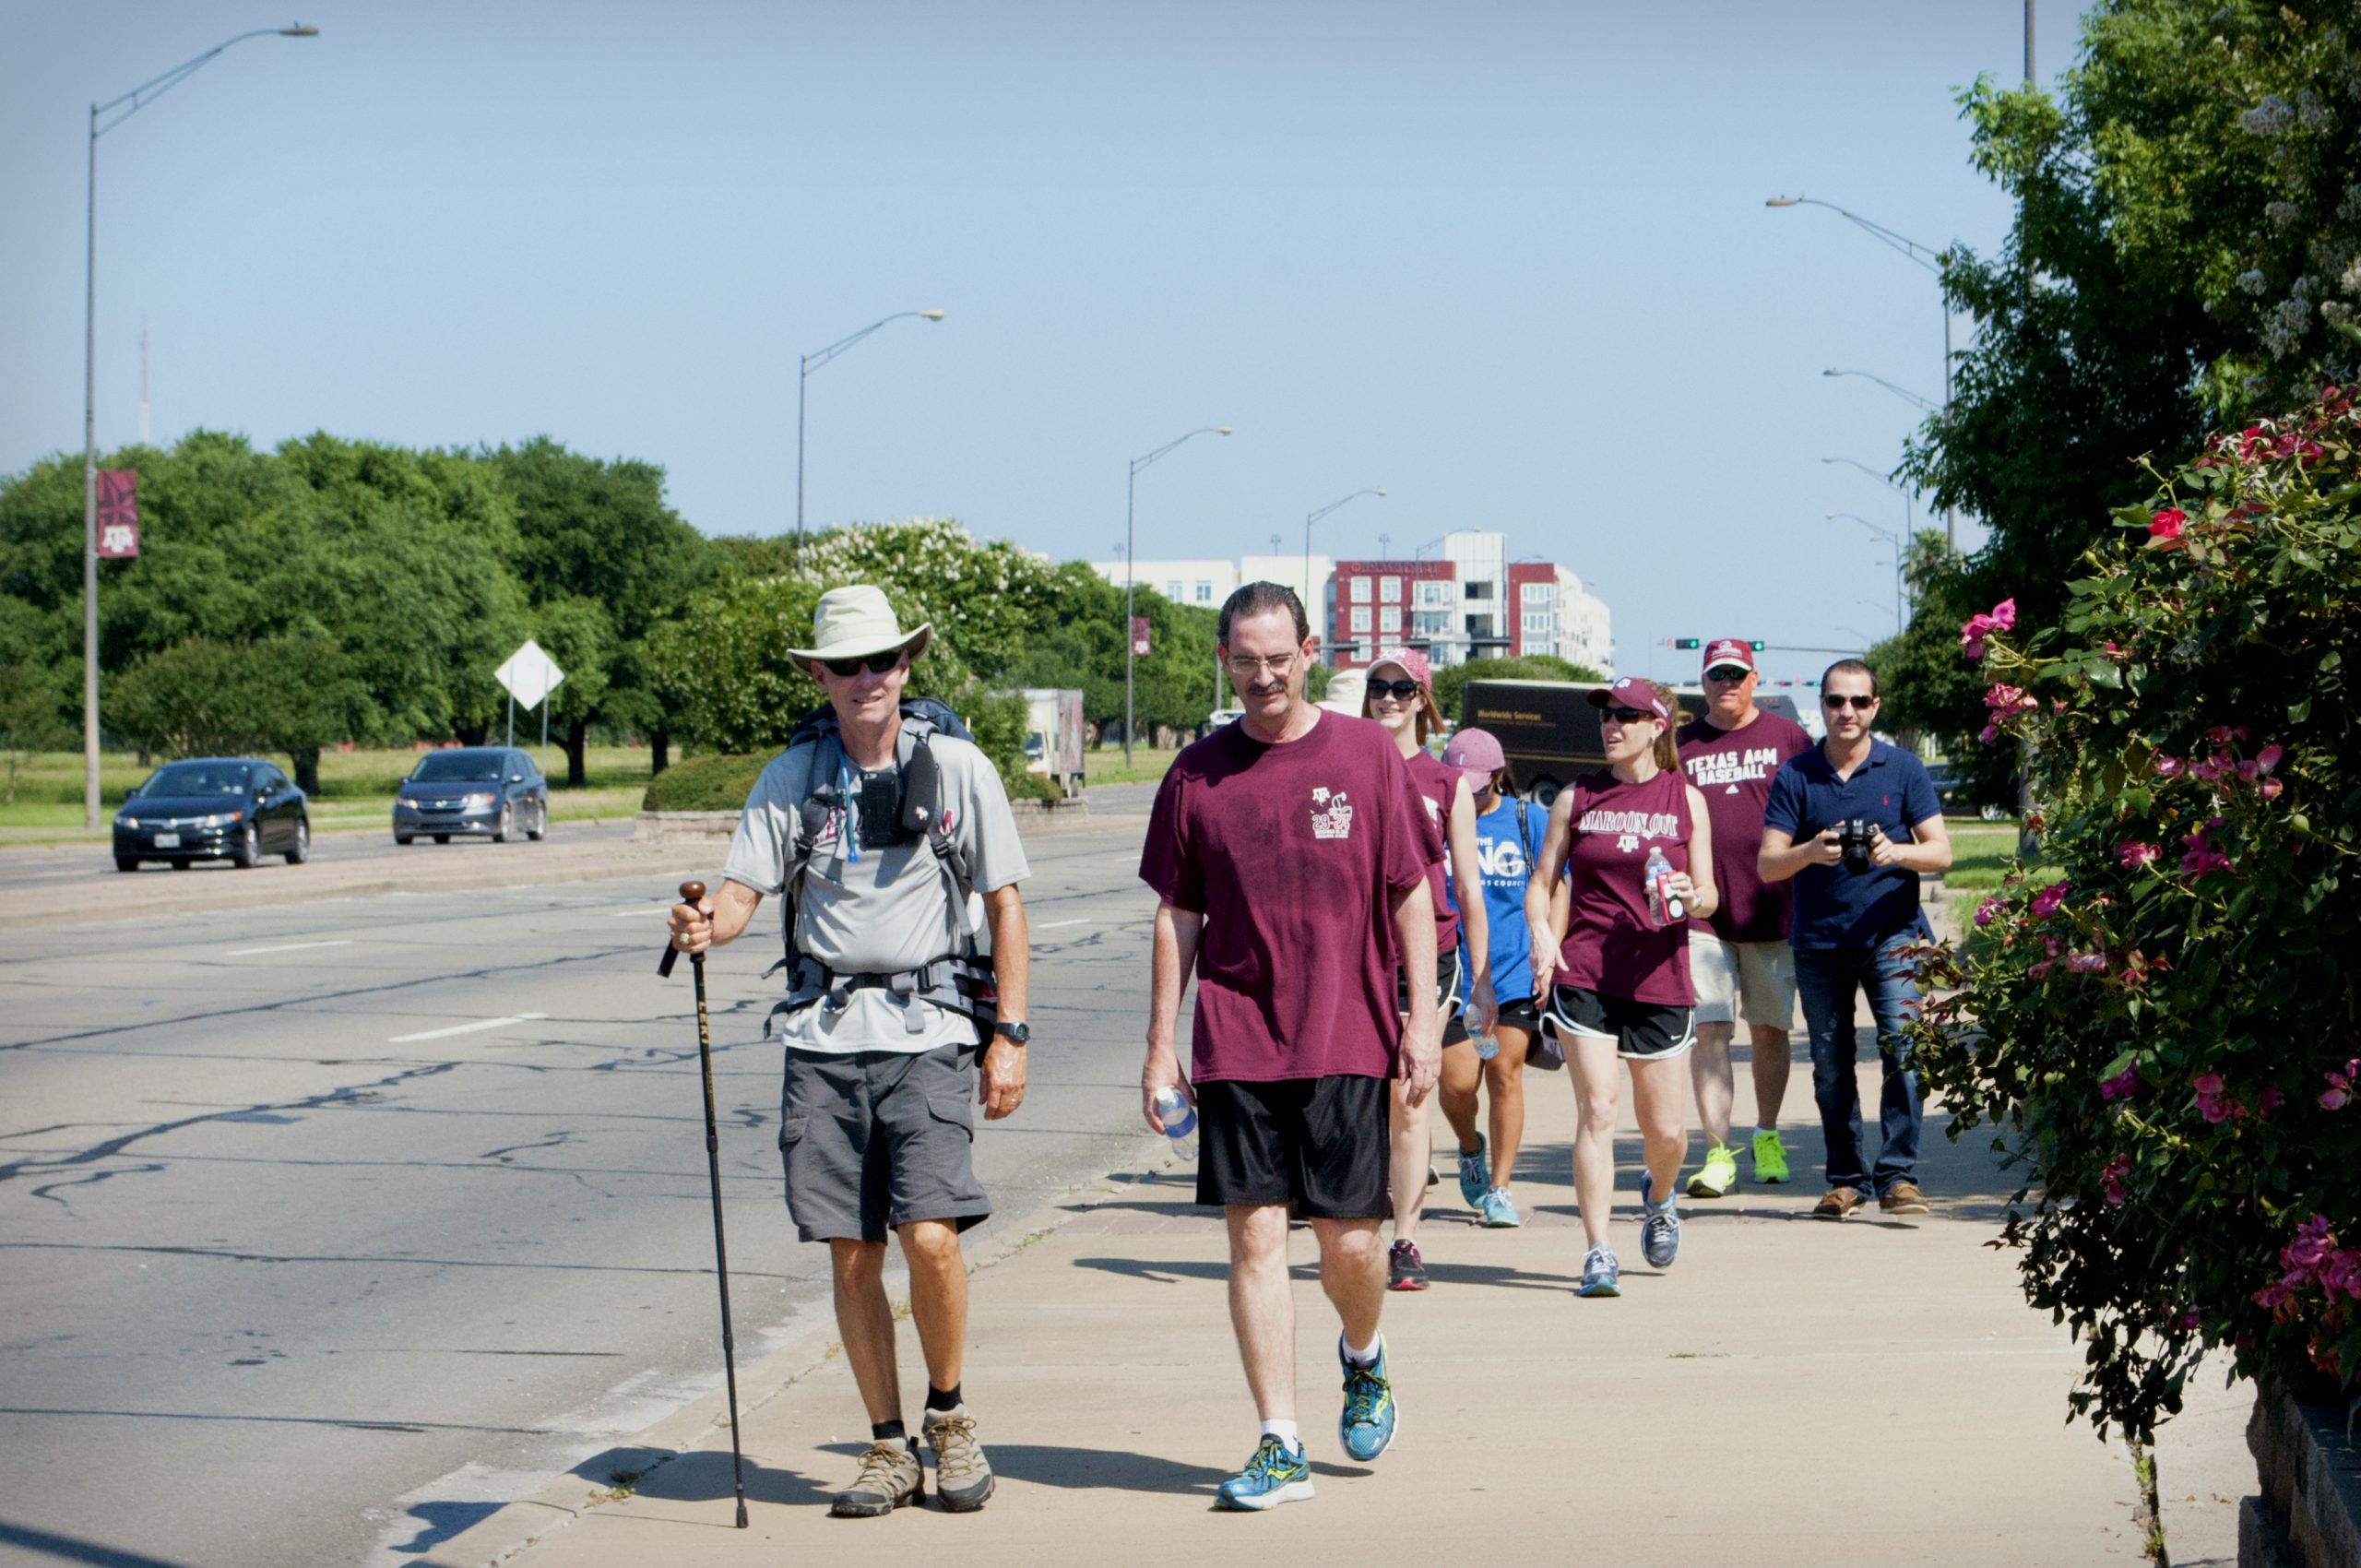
<point>235,809</point>
<point>482,791</point>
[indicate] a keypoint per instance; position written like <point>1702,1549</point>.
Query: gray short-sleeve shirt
<point>862,910</point>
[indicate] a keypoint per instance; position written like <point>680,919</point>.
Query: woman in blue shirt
<point>1508,835</point>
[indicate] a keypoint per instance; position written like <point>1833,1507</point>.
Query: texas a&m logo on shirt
<point>1331,816</point>
<point>1630,827</point>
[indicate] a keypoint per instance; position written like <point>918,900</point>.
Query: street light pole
<point>139,98</point>
<point>1131,493</point>
<point>1925,257</point>
<point>803,369</point>
<point>1908,396</point>
<point>1889,537</point>
<point>1310,520</point>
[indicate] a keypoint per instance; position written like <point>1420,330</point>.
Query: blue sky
<point>1509,261</point>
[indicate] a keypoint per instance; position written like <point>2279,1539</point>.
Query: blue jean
<point>1825,979</point>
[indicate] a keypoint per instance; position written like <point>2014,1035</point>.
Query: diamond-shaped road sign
<point>530,675</point>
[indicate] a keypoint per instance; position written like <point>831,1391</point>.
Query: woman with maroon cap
<point>1636,846</point>
<point>1400,696</point>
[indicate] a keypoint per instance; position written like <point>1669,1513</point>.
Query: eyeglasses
<point>876,664</point>
<point>1628,715</point>
<point>1401,691</point>
<point>1727,676</point>
<point>1246,668</point>
<point>1839,703</point>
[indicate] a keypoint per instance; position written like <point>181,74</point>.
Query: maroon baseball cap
<point>1631,692</point>
<point>1728,651</point>
<point>1476,754</point>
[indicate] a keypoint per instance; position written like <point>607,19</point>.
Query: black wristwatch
<point>1016,1034</point>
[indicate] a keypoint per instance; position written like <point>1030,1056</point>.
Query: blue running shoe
<point>1272,1476</point>
<point>1475,1180</point>
<point>1369,1419</point>
<point>1601,1277</point>
<point>1500,1210</point>
<point>1659,1230</point>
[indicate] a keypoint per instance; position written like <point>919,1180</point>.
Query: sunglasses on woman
<point>1628,715</point>
<point>1401,691</point>
<point>876,664</point>
<point>1858,705</point>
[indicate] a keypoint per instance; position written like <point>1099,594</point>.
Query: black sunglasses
<point>1858,705</point>
<point>1403,690</point>
<point>876,664</point>
<point>1628,715</point>
<point>1727,673</point>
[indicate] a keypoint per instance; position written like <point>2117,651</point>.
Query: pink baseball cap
<point>1477,754</point>
<point>1412,661</point>
<point>1631,692</point>
<point>1728,651</point>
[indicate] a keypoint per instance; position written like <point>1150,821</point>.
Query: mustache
<point>1262,689</point>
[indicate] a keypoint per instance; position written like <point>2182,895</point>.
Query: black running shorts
<point>1316,1144</point>
<point>1644,1031</point>
<point>1448,1005</point>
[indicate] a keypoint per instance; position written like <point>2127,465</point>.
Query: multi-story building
<point>1553,614</point>
<point>1381,604</point>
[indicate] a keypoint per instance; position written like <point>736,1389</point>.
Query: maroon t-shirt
<point>1438,786</point>
<point>1609,947</point>
<point>1290,852</point>
<point>1732,768</point>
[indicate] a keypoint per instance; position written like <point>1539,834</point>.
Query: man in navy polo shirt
<point>1851,927</point>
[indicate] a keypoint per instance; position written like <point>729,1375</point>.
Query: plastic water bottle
<point>1488,1045</point>
<point>1665,907</point>
<point>1179,1119</point>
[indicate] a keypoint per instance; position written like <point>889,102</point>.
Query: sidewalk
<point>1792,1388</point>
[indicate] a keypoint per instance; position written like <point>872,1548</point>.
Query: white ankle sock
<point>1364,1355</point>
<point>1285,1431</point>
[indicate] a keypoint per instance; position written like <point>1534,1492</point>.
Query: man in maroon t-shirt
<point>1739,958</point>
<point>1290,851</point>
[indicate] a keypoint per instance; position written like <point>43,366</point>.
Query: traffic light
<point>1756,645</point>
<point>1687,642</point>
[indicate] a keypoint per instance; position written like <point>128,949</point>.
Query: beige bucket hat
<point>855,622</point>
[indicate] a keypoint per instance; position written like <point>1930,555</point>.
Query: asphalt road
<point>49,865</point>
<point>326,1229</point>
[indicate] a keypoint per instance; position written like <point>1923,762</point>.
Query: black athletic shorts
<point>1522,1015</point>
<point>1318,1145</point>
<point>1447,1002</point>
<point>1642,1030</point>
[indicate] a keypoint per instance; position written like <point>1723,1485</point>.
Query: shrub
<point>718,781</point>
<point>2169,1024</point>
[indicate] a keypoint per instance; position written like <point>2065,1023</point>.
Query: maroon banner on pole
<point>1139,636</point>
<point>118,514</point>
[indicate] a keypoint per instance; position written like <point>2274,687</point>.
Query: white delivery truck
<point>1053,737</point>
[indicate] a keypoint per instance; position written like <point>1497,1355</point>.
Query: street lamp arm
<point>1925,256</point>
<point>1873,527</point>
<point>146,92</point>
<point>814,360</point>
<point>1139,463</point>
<point>1882,479</point>
<point>1333,505</point>
<point>1926,404</point>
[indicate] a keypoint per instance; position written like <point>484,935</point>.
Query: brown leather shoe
<point>1836,1203</point>
<point>1903,1197</point>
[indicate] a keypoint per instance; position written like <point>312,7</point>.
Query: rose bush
<point>2166,1031</point>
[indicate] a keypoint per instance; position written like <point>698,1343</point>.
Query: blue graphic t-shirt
<point>1506,863</point>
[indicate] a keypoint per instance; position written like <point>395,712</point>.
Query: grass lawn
<point>356,790</point>
<point>1981,852</point>
<point>1104,765</point>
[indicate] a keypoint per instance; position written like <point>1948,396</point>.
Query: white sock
<point>1362,1356</point>
<point>1285,1431</point>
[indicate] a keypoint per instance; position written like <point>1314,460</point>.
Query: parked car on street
<point>235,809</point>
<point>481,792</point>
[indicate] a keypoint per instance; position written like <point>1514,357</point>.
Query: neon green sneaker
<point>1770,1158</point>
<point>1717,1176</point>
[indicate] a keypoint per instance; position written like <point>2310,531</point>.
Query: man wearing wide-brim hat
<point>876,827</point>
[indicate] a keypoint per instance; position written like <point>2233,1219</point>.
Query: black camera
<point>1857,837</point>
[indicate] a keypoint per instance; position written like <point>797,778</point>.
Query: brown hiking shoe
<point>963,1477</point>
<point>1836,1203</point>
<point>889,1478</point>
<point>1903,1197</point>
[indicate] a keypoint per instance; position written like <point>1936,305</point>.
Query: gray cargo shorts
<point>880,1138</point>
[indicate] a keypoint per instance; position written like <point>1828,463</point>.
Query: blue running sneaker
<point>1500,1210</point>
<point>1659,1230</point>
<point>1475,1180</point>
<point>1600,1274</point>
<point>1272,1476</point>
<point>1370,1417</point>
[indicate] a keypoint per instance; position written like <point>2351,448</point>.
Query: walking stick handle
<point>692,894</point>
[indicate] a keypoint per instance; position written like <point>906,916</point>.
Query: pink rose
<point>2111,1179</point>
<point>2123,1084</point>
<point>2046,902</point>
<point>2004,695</point>
<point>2268,1100</point>
<point>1988,734</point>
<point>2270,788</point>
<point>2169,767</point>
<point>2247,770</point>
<point>2219,734</point>
<point>2210,768</point>
<point>2004,615</point>
<point>2167,524</point>
<point>2086,963</point>
<point>2040,968</point>
<point>2135,854</point>
<point>1989,910</point>
<point>2266,761</point>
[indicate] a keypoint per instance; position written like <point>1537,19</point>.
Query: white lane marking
<point>465,1028</point>
<point>1052,926</point>
<point>289,947</point>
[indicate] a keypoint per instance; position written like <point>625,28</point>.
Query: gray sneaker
<point>963,1477</point>
<point>889,1477</point>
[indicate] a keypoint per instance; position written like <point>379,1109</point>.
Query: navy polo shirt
<point>1836,908</point>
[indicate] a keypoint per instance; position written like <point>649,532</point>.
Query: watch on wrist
<point>1016,1033</point>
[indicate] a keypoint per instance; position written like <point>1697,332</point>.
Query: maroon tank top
<point>1610,946</point>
